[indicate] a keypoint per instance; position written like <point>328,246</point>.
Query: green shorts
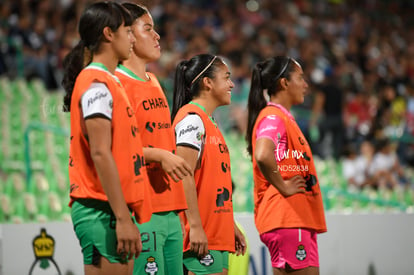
<point>214,262</point>
<point>94,225</point>
<point>162,245</point>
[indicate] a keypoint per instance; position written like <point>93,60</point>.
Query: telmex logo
<point>286,154</point>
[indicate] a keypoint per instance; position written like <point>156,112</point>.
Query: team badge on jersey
<point>151,266</point>
<point>301,253</point>
<point>207,260</point>
<point>199,136</point>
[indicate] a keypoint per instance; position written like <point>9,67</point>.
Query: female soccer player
<point>288,204</point>
<point>106,167</point>
<point>162,236</point>
<point>201,85</point>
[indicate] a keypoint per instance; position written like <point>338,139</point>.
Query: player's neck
<point>208,105</point>
<point>108,60</point>
<point>281,100</point>
<point>137,66</point>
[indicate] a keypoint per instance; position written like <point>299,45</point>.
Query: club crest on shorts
<point>301,253</point>
<point>151,266</point>
<point>207,260</point>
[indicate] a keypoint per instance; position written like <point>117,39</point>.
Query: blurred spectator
<point>410,109</point>
<point>359,112</point>
<point>406,146</point>
<point>389,120</point>
<point>36,52</point>
<point>4,28</point>
<point>356,164</point>
<point>328,115</point>
<point>32,36</point>
<point>385,168</point>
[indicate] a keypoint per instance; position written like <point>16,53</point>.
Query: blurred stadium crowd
<point>358,56</point>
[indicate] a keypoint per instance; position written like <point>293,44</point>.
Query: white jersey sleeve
<point>97,100</point>
<point>190,132</point>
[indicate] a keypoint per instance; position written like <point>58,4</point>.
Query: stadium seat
<point>15,185</point>
<point>62,184</point>
<point>55,206</point>
<point>409,196</point>
<point>6,208</point>
<point>39,186</point>
<point>30,207</point>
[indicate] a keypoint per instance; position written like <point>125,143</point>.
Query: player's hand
<point>198,241</point>
<point>293,185</point>
<point>129,239</point>
<point>175,166</point>
<point>240,241</point>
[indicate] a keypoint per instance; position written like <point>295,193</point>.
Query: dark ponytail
<point>188,78</point>
<point>91,25</point>
<point>182,94</point>
<point>73,64</point>
<point>256,102</point>
<point>266,76</point>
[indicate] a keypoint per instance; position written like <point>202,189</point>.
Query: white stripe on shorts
<point>300,235</point>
